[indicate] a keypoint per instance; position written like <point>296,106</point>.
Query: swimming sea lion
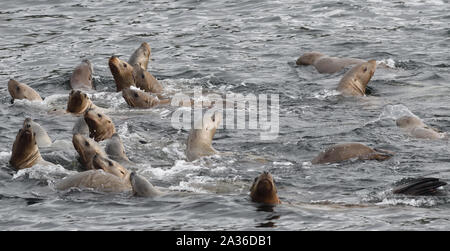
<point>141,56</point>
<point>145,80</point>
<point>139,99</point>
<point>199,142</point>
<point>346,151</point>
<point>87,149</point>
<point>326,64</point>
<point>95,179</point>
<point>25,151</point>
<point>416,128</point>
<point>100,126</point>
<point>79,102</point>
<point>264,190</point>
<point>22,91</point>
<point>115,149</point>
<point>355,81</point>
<point>141,187</point>
<point>41,136</point>
<point>110,166</point>
<point>82,76</point>
<point>122,73</point>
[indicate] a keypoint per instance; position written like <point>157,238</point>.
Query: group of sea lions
<point>106,169</point>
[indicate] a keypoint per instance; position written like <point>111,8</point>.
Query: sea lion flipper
<point>420,186</point>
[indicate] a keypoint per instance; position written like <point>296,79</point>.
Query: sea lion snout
<point>264,189</point>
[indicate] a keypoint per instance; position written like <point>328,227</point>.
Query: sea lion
<point>25,151</point>
<point>326,64</point>
<point>264,190</point>
<point>115,149</point>
<point>199,142</point>
<point>87,149</point>
<point>139,99</point>
<point>41,136</point>
<point>100,126</point>
<point>141,56</point>
<point>346,151</point>
<point>22,91</point>
<point>355,81</point>
<point>79,102</point>
<point>141,187</point>
<point>122,73</point>
<point>80,127</point>
<point>110,166</point>
<point>95,179</point>
<point>82,76</point>
<point>419,186</point>
<point>145,80</point>
<point>416,128</point>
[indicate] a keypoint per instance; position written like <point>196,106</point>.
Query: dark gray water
<point>242,47</point>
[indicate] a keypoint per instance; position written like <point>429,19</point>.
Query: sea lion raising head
<point>22,91</point>
<point>142,187</point>
<point>355,81</point>
<point>122,73</point>
<point>100,126</point>
<point>139,99</point>
<point>87,149</point>
<point>116,150</point>
<point>264,190</point>
<point>25,151</point>
<point>145,80</point>
<point>199,142</point>
<point>78,102</point>
<point>141,56</point>
<point>82,76</point>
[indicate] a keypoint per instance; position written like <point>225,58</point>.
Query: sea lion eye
<point>28,125</point>
<point>86,143</point>
<point>99,115</point>
<point>364,69</point>
<point>17,88</point>
<point>125,65</point>
<point>110,163</point>
<point>136,95</point>
<point>143,76</point>
<point>85,95</point>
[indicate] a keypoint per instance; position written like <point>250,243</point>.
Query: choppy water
<point>243,47</point>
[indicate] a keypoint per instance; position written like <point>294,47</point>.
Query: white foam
<point>324,94</point>
<point>43,172</point>
<point>395,112</point>
<point>180,167</point>
<point>420,202</point>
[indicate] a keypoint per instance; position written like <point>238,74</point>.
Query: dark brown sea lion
<point>326,64</point>
<point>145,80</point>
<point>82,76</point>
<point>100,126</point>
<point>141,56</point>
<point>346,151</point>
<point>264,190</point>
<point>355,81</point>
<point>122,73</point>
<point>22,91</point>
<point>199,142</point>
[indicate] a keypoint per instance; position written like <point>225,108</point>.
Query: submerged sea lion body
<point>139,99</point>
<point>346,151</point>
<point>82,76</point>
<point>141,56</point>
<point>263,190</point>
<point>95,179</point>
<point>326,64</point>
<point>416,128</point>
<point>199,142</point>
<point>122,73</point>
<point>100,126</point>
<point>110,166</point>
<point>355,81</point>
<point>22,91</point>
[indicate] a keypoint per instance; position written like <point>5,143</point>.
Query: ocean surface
<point>246,47</point>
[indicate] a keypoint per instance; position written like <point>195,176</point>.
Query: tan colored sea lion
<point>199,142</point>
<point>140,99</point>
<point>100,126</point>
<point>82,76</point>
<point>25,151</point>
<point>110,166</point>
<point>22,91</point>
<point>95,179</point>
<point>87,149</point>
<point>346,151</point>
<point>141,56</point>
<point>416,128</point>
<point>79,102</point>
<point>122,73</point>
<point>355,81</point>
<point>326,64</point>
<point>264,190</point>
<point>145,80</point>
<point>115,150</point>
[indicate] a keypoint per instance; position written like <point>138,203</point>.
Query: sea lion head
<point>22,91</point>
<point>122,73</point>
<point>25,150</point>
<point>138,98</point>
<point>87,149</point>
<point>100,126</point>
<point>142,187</point>
<point>141,56</point>
<point>78,102</point>
<point>309,58</point>
<point>364,71</point>
<point>409,122</point>
<point>109,166</point>
<point>264,190</point>
<point>199,142</point>
<point>210,123</point>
